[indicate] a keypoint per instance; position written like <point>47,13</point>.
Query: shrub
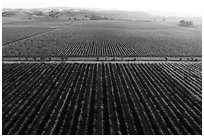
<point>186,23</point>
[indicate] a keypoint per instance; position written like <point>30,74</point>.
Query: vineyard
<point>11,35</point>
<point>108,39</point>
<point>102,98</point>
<point>110,77</point>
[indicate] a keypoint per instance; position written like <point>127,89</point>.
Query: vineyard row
<point>77,98</point>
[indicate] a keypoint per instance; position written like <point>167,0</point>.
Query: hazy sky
<point>169,7</point>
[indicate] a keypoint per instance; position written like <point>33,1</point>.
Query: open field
<point>109,38</point>
<point>35,23</point>
<point>104,98</point>
<point>17,31</point>
<point>11,35</point>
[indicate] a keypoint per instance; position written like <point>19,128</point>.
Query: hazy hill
<point>80,13</point>
<point>18,14</point>
<point>63,13</point>
<point>37,12</point>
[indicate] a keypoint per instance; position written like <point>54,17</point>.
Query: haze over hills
<point>62,13</point>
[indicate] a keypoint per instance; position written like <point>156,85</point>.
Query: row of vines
<point>103,98</point>
<point>113,42</point>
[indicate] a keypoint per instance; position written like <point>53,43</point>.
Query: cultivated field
<point>11,35</point>
<point>101,77</point>
<point>109,38</point>
<point>102,98</point>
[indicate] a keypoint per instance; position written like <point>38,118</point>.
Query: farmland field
<point>102,98</point>
<point>108,38</point>
<point>17,31</point>
<point>69,76</point>
<point>11,35</point>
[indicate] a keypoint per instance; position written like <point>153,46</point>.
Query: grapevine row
<point>104,98</point>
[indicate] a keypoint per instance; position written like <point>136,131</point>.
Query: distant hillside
<point>37,12</point>
<point>17,14</point>
<point>80,13</point>
<point>29,14</point>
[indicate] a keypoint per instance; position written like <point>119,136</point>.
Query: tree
<point>53,13</point>
<point>185,23</point>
